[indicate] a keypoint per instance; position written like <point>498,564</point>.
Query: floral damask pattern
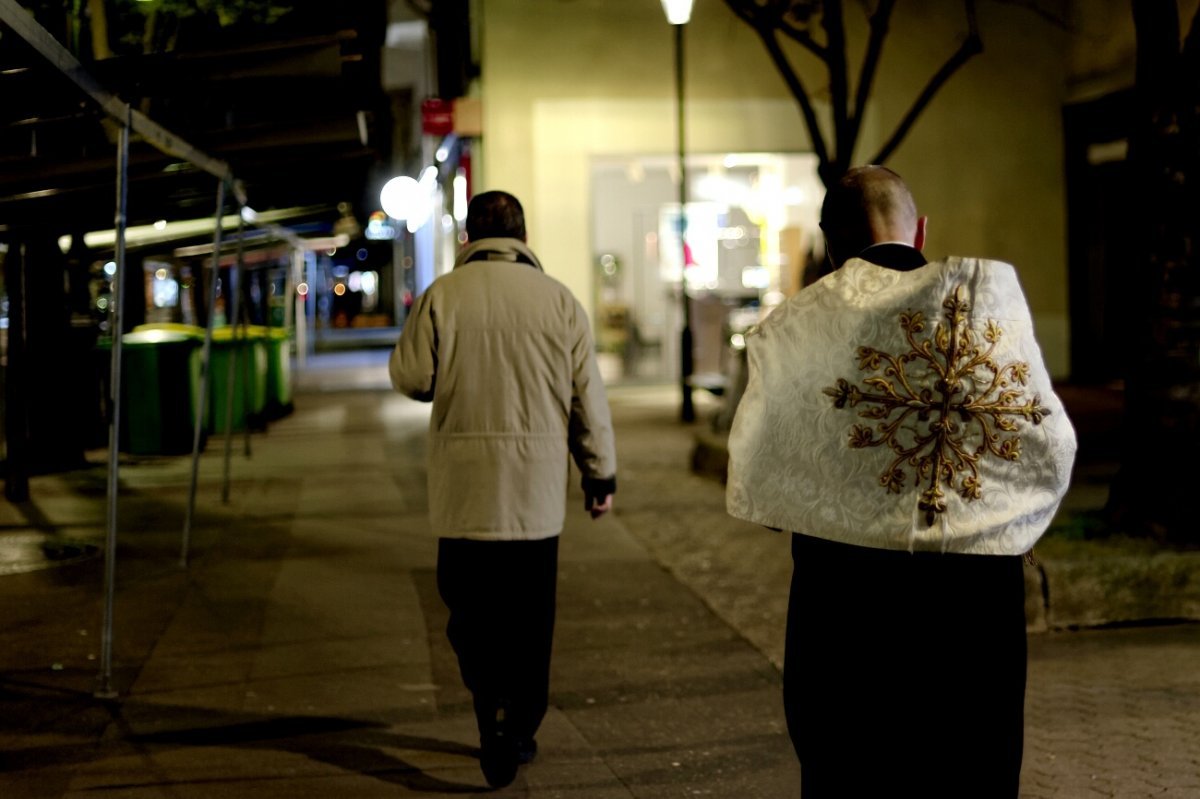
<point>790,467</point>
<point>942,406</point>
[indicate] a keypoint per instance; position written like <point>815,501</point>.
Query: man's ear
<point>919,239</point>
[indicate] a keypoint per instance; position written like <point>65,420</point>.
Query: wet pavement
<point>301,652</point>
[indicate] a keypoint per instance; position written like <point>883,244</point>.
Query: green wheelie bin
<point>160,389</point>
<point>249,386</point>
<point>278,343</point>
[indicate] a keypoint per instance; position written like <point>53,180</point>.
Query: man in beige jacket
<point>505,354</point>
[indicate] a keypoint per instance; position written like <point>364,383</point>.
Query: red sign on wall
<point>437,117</point>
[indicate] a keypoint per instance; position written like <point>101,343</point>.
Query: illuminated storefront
<point>752,235</point>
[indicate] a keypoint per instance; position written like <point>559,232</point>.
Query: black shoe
<point>526,751</point>
<point>499,758</point>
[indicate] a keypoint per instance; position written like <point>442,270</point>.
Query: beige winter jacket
<point>505,354</point>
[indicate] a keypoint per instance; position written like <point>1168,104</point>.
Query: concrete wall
<point>564,82</point>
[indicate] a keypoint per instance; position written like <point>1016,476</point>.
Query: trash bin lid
<point>152,338</point>
<point>267,331</point>
<point>191,331</point>
<point>231,333</point>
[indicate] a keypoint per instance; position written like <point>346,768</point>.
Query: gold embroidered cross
<point>950,381</point>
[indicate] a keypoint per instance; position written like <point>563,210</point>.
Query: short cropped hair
<point>495,214</point>
<point>859,200</point>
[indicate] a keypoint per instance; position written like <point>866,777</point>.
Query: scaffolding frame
<point>131,121</point>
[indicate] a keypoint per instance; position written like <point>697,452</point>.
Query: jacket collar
<point>498,249</point>
<point>893,255</point>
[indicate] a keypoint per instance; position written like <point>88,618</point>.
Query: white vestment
<point>902,410</point>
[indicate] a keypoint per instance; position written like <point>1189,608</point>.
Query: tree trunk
<point>1162,418</point>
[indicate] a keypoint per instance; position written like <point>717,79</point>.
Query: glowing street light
<point>400,197</point>
<point>679,13</point>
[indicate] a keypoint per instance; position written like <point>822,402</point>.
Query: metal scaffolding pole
<point>242,323</point>
<point>104,687</point>
<point>233,301</point>
<point>293,307</point>
<point>205,366</point>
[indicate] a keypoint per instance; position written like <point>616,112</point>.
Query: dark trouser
<point>501,596</point>
<point>904,674</point>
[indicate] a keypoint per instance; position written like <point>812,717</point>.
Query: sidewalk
<point>302,652</point>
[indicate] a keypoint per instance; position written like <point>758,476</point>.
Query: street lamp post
<point>679,12</point>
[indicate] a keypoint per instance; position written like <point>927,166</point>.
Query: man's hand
<point>598,495</point>
<point>598,507</point>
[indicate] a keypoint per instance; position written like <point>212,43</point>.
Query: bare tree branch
<point>971,46</point>
<point>775,15</point>
<point>839,89</point>
<point>793,21</point>
<point>879,29</point>
<point>742,11</point>
<point>798,91</point>
<point>775,20</point>
<point>1039,9</point>
<point>806,41</point>
<point>769,18</point>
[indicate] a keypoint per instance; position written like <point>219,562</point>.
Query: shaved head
<point>868,205</point>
